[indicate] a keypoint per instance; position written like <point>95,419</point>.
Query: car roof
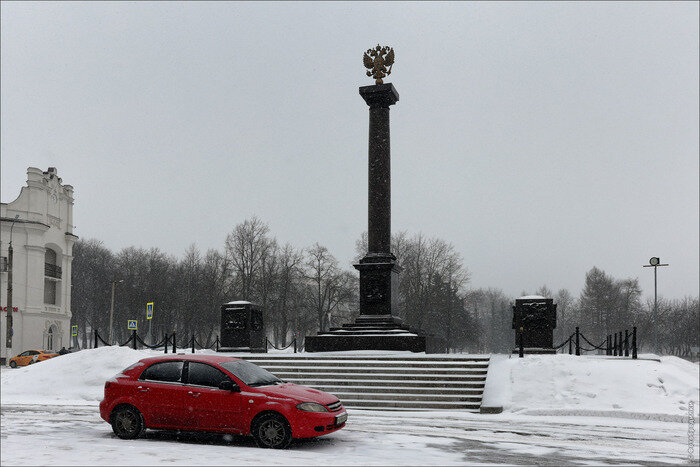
<point>214,359</point>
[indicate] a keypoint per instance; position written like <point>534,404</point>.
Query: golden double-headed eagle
<point>378,61</point>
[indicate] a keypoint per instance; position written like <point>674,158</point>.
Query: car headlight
<point>311,407</point>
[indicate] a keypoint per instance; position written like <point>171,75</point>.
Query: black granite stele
<point>536,319</point>
<point>377,328</point>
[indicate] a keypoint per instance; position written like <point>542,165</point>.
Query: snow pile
<point>72,379</point>
<point>593,386</point>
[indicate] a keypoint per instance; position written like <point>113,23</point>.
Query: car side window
<point>202,374</point>
<point>24,354</point>
<point>34,352</point>
<point>169,372</point>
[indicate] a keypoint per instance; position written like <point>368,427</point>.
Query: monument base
<point>375,332</point>
<point>535,350</point>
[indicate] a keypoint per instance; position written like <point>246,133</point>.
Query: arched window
<point>50,257</point>
<point>52,274</point>
<point>49,338</point>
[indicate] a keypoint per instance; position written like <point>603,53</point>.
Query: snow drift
<point>593,386</point>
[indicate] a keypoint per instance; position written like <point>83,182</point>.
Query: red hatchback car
<point>217,394</point>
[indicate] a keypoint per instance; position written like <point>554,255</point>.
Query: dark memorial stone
<point>242,328</point>
<point>534,318</point>
<point>376,328</point>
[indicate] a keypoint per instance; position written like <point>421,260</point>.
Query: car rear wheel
<point>127,422</point>
<point>13,364</point>
<point>272,431</point>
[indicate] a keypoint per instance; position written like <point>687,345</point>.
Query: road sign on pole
<point>74,330</point>
<point>132,324</point>
<point>149,310</point>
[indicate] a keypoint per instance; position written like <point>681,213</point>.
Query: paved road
<point>75,435</point>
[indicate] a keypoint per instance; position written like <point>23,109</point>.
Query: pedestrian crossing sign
<point>74,330</point>
<point>149,310</point>
<point>131,324</point>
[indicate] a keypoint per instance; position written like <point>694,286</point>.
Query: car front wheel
<point>13,364</point>
<point>272,431</point>
<point>127,422</point>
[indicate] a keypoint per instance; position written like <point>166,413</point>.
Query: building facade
<point>39,223</point>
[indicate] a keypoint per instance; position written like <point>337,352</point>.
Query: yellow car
<point>31,356</point>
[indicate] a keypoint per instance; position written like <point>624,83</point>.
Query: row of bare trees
<point>306,290</point>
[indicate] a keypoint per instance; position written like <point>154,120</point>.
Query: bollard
<point>578,342</point>
<point>174,341</point>
<point>217,343</point>
<point>627,344</point>
<point>570,350</point>
<point>95,338</point>
<point>166,339</point>
<point>520,344</point>
<point>295,345</point>
<point>634,342</point>
<point>133,338</point>
<point>192,342</point>
<point>615,345</point>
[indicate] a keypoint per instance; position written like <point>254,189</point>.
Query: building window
<point>49,292</point>
<point>49,338</point>
<point>51,269</point>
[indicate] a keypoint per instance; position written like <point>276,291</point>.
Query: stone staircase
<point>393,382</point>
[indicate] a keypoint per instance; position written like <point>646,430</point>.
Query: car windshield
<point>251,374</point>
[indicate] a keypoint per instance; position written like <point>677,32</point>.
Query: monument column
<point>378,269</point>
<point>379,97</point>
<point>377,328</point>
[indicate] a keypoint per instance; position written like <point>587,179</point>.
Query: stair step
<point>351,403</point>
<point>419,398</point>
<point>410,390</point>
<point>409,356</point>
<point>397,383</point>
<point>382,370</point>
<point>365,365</point>
<point>380,376</point>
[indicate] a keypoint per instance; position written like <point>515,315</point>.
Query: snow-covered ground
<point>558,410</point>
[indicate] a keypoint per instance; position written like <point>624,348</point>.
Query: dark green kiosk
<point>242,327</point>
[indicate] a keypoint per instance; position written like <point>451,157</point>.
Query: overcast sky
<point>540,139</point>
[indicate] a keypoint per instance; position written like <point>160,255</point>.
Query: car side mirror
<point>228,385</point>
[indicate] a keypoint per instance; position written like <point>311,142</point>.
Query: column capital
<point>379,95</point>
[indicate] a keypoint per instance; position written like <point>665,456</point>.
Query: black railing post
<point>570,348</point>
<point>166,339</point>
<point>295,345</point>
<point>578,342</point>
<point>174,341</point>
<point>627,343</point>
<point>217,343</point>
<point>133,337</point>
<point>634,342</point>
<point>95,338</point>
<point>520,344</point>
<point>608,346</point>
<point>192,342</point>
<point>615,346</point>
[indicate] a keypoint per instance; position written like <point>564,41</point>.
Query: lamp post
<point>10,255</point>
<point>655,262</point>
<point>111,314</point>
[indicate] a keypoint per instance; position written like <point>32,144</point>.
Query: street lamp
<point>10,255</point>
<point>655,262</point>
<point>111,314</point>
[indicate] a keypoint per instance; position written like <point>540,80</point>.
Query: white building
<point>40,222</point>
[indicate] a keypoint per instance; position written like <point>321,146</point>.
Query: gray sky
<point>540,139</point>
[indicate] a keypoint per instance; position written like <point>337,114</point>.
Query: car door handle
<point>194,394</point>
<point>143,389</point>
